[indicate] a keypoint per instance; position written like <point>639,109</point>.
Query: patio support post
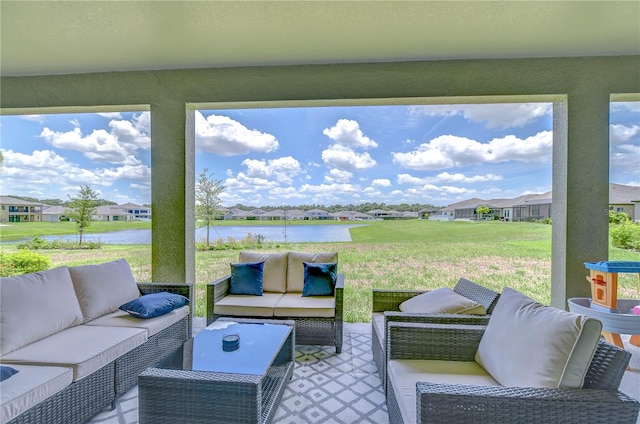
<point>172,192</point>
<point>580,190</point>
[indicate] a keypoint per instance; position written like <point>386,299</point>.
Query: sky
<point>426,154</point>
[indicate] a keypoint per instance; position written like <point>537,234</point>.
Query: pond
<point>293,234</point>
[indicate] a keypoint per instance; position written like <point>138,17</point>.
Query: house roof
<point>623,194</point>
<point>64,37</point>
<point>8,200</point>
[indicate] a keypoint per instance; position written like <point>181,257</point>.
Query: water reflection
<point>291,234</point>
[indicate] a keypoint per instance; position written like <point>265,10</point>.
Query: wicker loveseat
<point>318,319</point>
<point>386,308</point>
<point>74,351</point>
<point>531,363</point>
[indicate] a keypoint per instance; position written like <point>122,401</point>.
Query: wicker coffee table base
<point>194,397</point>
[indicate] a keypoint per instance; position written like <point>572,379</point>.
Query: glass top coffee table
<point>208,382</point>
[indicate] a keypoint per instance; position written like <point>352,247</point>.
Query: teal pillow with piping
<point>319,279</point>
<point>6,372</point>
<point>154,304</point>
<point>246,278</point>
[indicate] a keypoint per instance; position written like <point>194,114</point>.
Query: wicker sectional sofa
<point>318,319</point>
<point>74,350</point>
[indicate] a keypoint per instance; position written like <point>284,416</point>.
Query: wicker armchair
<point>597,401</point>
<point>386,308</point>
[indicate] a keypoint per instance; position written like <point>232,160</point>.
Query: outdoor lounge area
<point>172,59</point>
<point>335,389</point>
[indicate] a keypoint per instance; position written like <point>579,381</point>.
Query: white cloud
<point>381,182</point>
<point>445,177</point>
<point>621,134</point>
<point>625,160</point>
<point>343,157</point>
<point>625,106</point>
<point>503,115</point>
<point>448,151</point>
<point>330,188</point>
<point>224,136</point>
<point>338,176</point>
<point>37,172</point>
<point>111,115</point>
<point>40,119</point>
<point>348,133</point>
<point>119,146</point>
<point>282,169</point>
<point>461,178</point>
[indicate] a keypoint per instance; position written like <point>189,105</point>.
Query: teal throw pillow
<point>6,372</point>
<point>246,278</point>
<point>319,279</point>
<point>154,304</point>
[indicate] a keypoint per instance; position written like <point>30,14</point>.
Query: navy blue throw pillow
<point>319,279</point>
<point>246,278</point>
<point>154,304</point>
<point>6,372</point>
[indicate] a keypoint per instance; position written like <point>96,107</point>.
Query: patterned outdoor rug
<point>326,388</point>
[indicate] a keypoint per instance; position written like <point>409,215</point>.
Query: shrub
<point>22,262</point>
<point>625,235</point>
<point>618,217</point>
<point>41,244</point>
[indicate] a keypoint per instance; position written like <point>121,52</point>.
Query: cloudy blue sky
<point>436,154</point>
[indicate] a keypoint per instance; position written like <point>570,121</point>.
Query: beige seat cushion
<point>247,306</point>
<point>294,305</point>
<point>102,288</point>
<point>34,306</point>
<point>528,344</point>
<point>30,386</point>
<point>442,301</point>
<point>84,348</point>
<point>295,268</point>
<point>274,273</point>
<point>404,374</point>
<point>152,325</point>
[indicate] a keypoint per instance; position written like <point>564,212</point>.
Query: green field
<point>389,254</point>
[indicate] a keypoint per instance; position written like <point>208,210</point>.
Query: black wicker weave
<point>388,301</point>
<point>598,400</point>
<point>81,400</point>
<point>309,331</point>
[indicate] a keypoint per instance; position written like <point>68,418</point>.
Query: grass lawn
<point>398,254</point>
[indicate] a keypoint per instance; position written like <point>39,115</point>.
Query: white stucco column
<point>172,192</point>
<point>580,190</point>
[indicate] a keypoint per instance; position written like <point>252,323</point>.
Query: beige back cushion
<point>442,301</point>
<point>295,269</point>
<point>34,306</point>
<point>528,344</point>
<point>274,272</point>
<point>102,288</point>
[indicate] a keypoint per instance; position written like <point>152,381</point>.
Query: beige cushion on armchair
<point>442,301</point>
<point>528,344</point>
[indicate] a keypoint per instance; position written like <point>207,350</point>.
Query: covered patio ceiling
<point>66,37</point>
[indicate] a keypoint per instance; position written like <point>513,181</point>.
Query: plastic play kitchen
<point>618,316</point>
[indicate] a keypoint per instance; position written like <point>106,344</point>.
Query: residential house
<point>351,216</point>
<point>124,212</point>
<point>318,214</point>
<point>18,210</point>
<point>54,213</point>
<point>372,53</point>
<point>384,214</point>
<point>625,198</point>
